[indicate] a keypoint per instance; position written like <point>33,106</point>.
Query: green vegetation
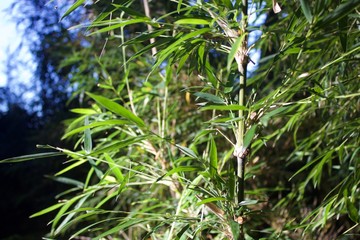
<point>180,141</point>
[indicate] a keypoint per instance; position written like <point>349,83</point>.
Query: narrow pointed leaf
<point>47,210</point>
<point>210,97</point>
<point>213,158</point>
<point>117,109</point>
<point>181,169</point>
<point>87,137</point>
<point>234,50</point>
<point>305,7</point>
<point>224,108</point>
<point>116,171</point>
<point>72,8</point>
<point>249,136</point>
<point>193,21</point>
<point>31,157</point>
<point>212,199</point>
<point>187,151</point>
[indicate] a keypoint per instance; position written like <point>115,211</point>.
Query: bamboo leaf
<point>352,211</point>
<point>31,157</point>
<point>265,119</point>
<point>85,111</point>
<point>87,137</point>
<point>47,210</point>
<point>72,8</point>
<point>228,4</point>
<point>67,180</point>
<point>224,108</point>
<point>123,23</point>
<point>118,145</point>
<point>305,7</point>
<point>107,123</point>
<point>250,135</point>
<point>187,151</point>
<point>340,12</point>
<point>179,6</point>
<point>129,11</point>
<point>234,50</point>
<point>208,200</point>
<point>192,21</point>
<point>210,97</point>
<point>117,109</point>
<point>116,171</point>
<point>126,223</point>
<point>213,158</point>
<point>181,169</point>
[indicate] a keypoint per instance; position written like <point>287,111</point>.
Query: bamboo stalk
<point>239,149</point>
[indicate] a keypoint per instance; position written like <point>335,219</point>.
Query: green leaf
<point>224,108</point>
<point>234,50</point>
<point>107,123</point>
<point>126,223</point>
<point>123,23</point>
<point>85,111</point>
<point>305,7</point>
<point>87,137</point>
<point>181,169</point>
<point>71,214</point>
<point>340,12</point>
<point>179,6</point>
<point>47,210</point>
<point>192,21</point>
<point>117,109</point>
<point>31,157</point>
<point>212,199</point>
<point>187,151</point>
<point>213,158</point>
<point>117,145</point>
<point>165,53</point>
<point>352,211</point>
<point>72,8</point>
<point>115,170</point>
<point>235,229</point>
<point>249,135</point>
<point>228,4</point>
<point>72,166</point>
<point>210,97</point>
<point>265,119</point>
<point>129,11</point>
<point>68,181</point>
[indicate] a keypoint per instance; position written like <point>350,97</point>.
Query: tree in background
<point>180,141</point>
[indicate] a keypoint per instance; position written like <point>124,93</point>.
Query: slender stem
<point>123,48</point>
<point>150,28</point>
<point>242,66</point>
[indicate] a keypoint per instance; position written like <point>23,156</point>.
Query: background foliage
<point>156,103</point>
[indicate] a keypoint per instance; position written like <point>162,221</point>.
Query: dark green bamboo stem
<point>242,66</point>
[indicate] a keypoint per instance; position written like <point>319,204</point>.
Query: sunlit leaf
<point>192,21</point>
<point>234,50</point>
<point>117,109</point>
<point>72,8</point>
